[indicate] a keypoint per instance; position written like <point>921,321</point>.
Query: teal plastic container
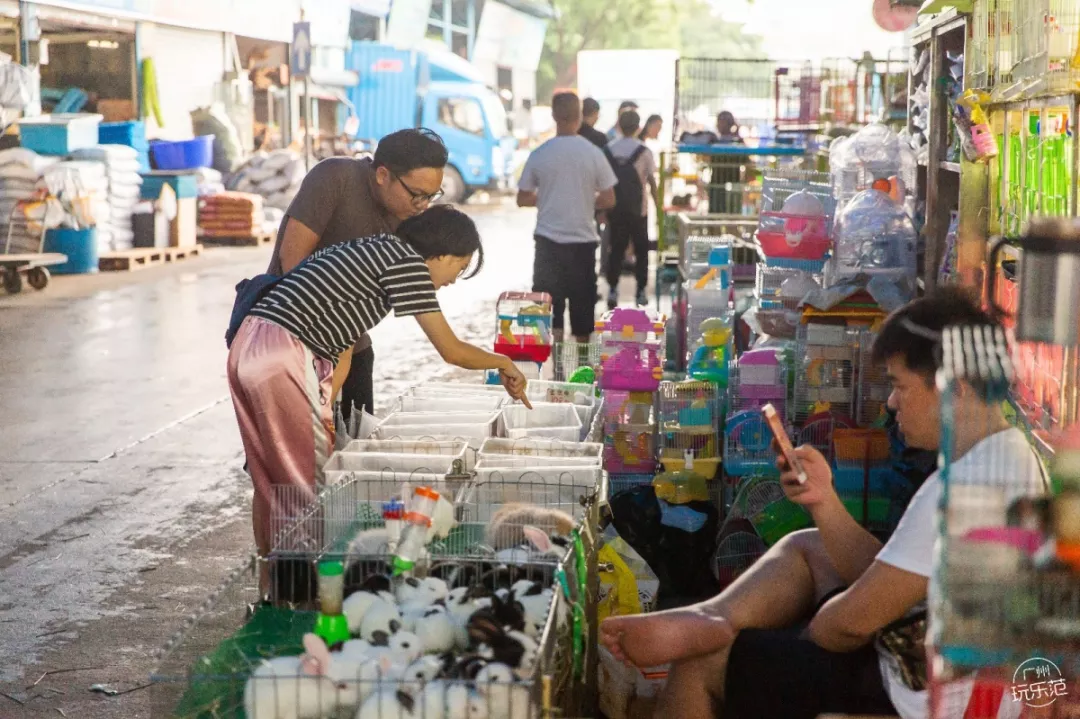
<point>80,246</point>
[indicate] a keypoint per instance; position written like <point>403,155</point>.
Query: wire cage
<point>874,388</point>
<point>206,668</point>
<point>523,329</point>
<point>998,602</point>
<point>785,287</point>
<point>630,350</point>
<point>689,415</point>
<point>569,357</point>
<point>864,477</point>
<point>629,448</point>
<point>825,376</point>
<point>754,382</point>
<point>738,229</point>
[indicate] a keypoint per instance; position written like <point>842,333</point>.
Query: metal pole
<point>307,112</point>
<point>26,14</point>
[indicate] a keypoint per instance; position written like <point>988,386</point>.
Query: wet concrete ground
<point>122,499</point>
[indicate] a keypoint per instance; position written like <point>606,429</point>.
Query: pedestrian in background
<point>614,133</point>
<point>342,199</point>
<point>567,179</point>
<point>651,129</point>
<point>635,168</point>
<point>590,114</point>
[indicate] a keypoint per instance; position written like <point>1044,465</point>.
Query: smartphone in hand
<point>773,420</point>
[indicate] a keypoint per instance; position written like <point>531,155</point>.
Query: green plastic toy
<point>583,375</point>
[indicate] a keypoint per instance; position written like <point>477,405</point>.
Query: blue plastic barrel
<point>81,249</point>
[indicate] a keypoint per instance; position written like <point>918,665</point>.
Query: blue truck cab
<point>433,88</point>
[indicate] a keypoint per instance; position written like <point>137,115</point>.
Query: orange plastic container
<point>858,445</point>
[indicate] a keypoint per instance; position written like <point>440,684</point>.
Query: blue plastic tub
<point>186,155</point>
<point>59,134</point>
<point>80,246</point>
<point>183,185</point>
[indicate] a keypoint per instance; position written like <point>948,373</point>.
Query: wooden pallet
<point>140,258</point>
<point>255,241</point>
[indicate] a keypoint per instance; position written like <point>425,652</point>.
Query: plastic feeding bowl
<point>875,235</point>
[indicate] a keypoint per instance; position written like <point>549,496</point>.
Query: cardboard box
<point>116,110</point>
<point>183,231</point>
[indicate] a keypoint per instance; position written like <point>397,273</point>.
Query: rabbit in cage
<point>509,528</point>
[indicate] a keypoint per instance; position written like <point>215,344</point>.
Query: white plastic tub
<point>446,403</point>
<point>399,465</point>
<point>542,415</point>
<point>439,419</point>
<point>455,388</point>
<point>495,447</point>
<point>519,461</point>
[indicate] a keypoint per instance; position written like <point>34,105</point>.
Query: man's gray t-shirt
<point>337,203</point>
<point>566,172</point>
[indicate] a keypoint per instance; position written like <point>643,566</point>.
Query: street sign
<point>301,49</point>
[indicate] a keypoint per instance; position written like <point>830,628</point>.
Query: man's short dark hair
<point>627,105</point>
<point>913,332</point>
<point>403,151</point>
<point>589,106</point>
<point>629,122</point>
<point>565,106</point>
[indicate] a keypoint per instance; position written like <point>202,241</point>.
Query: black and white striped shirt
<point>344,290</point>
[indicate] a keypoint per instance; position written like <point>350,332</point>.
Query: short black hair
<point>627,105</point>
<point>443,230</point>
<point>629,122</point>
<point>403,151</point>
<point>589,106</point>
<point>913,332</point>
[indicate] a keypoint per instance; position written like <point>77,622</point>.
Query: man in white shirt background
<point>635,168</point>
<point>567,179</point>
<point>749,649</point>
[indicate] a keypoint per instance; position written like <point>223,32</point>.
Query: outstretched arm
<point>467,356</point>
<point>881,596</point>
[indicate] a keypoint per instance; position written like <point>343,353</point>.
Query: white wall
<point>189,64</point>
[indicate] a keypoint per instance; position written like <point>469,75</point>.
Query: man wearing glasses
<point>343,199</point>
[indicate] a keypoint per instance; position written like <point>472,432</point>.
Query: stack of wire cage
<point>1004,619</point>
<point>630,436</point>
<point>568,357</point>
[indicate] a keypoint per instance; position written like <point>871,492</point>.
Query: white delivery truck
<point>645,76</point>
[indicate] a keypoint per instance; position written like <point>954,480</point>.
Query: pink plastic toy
<point>630,348</point>
<point>801,237</point>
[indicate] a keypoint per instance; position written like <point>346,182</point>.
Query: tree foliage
<point>691,26</point>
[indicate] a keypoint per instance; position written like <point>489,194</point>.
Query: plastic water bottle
<point>416,522</point>
<point>393,512</point>
<point>331,624</point>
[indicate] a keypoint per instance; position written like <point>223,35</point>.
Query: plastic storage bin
<point>131,133</point>
<point>445,403</point>
<point>519,461</point>
<point>184,186</point>
<point>59,134</point>
<point>80,246</point>
<point>388,465</point>
<point>494,448</point>
<point>186,155</point>
<point>555,421</point>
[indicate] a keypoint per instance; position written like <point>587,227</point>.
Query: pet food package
<point>631,586</point>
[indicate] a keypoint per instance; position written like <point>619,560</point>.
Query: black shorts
<point>774,673</point>
<point>567,272</point>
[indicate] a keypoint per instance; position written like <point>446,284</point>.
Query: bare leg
<point>695,687</point>
<point>583,339</point>
<point>778,590</point>
<point>557,335</point>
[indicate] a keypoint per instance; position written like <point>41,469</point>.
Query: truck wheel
<point>12,281</point>
<point>38,278</point>
<point>453,187</point>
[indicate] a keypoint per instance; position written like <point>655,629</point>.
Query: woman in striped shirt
<point>292,352</point>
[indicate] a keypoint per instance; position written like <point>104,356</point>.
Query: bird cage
<point>630,349</point>
<point>523,326</point>
<point>756,380</point>
<point>873,385</point>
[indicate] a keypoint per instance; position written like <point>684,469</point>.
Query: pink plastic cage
<point>630,350</point>
<point>801,237</point>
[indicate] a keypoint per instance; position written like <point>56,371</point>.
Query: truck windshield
<point>496,116</point>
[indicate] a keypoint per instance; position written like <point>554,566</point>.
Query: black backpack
<point>629,192</point>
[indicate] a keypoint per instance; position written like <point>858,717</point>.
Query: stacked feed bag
<point>81,190</point>
<point>122,165</point>
<point>208,181</point>
<point>276,176</point>
<point>131,133</point>
<point>231,214</point>
<point>20,170</point>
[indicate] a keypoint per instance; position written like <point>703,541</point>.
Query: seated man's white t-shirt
<point>566,172</point>
<point>1003,467</point>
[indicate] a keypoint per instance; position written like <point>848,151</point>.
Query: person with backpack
<point>635,169</point>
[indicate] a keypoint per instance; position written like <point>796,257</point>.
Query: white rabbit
<point>357,604</point>
<point>401,649</point>
<point>310,686</point>
<point>443,700</point>
<point>388,704</point>
<point>436,631</point>
<point>504,698</point>
<point>416,676</point>
<point>381,619</point>
<point>421,591</point>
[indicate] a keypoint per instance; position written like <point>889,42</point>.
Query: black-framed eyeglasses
<point>420,198</point>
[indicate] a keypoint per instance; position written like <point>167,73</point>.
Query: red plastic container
<point>800,237</point>
<point>526,349</point>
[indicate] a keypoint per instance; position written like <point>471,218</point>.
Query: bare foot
<point>649,640</point>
